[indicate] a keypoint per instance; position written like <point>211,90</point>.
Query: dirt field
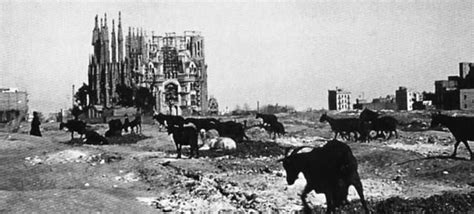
<point>140,174</point>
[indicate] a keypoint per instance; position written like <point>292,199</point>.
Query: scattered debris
<point>33,161</point>
<point>73,156</point>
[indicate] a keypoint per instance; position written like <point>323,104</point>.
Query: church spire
<point>113,44</point>
<point>120,39</point>
<point>95,31</point>
<point>105,19</point>
<point>96,38</point>
<point>105,34</point>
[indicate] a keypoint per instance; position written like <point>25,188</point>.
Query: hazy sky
<point>287,52</point>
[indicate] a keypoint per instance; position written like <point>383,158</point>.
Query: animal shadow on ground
<point>115,140</point>
<point>445,203</point>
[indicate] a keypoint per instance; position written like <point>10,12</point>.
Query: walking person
<point>35,125</point>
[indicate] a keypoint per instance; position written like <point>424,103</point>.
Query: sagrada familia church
<point>172,67</point>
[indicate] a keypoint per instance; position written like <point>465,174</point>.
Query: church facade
<point>172,67</point>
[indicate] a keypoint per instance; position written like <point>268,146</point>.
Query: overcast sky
<point>288,53</point>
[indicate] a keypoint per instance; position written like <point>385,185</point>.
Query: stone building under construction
<point>172,67</point>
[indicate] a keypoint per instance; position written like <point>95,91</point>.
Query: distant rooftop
<point>9,90</point>
<point>340,90</point>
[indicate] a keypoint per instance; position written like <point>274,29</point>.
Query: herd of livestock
<point>329,169</point>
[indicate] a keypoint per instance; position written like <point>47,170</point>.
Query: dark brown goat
<point>168,120</point>
<point>74,126</point>
<point>330,169</point>
<point>267,118</point>
<point>92,137</point>
<point>185,135</point>
<point>462,129</point>
<point>231,129</point>
<point>276,128</point>
<point>136,123</point>
<point>115,128</point>
<point>380,124</point>
<point>347,126</point>
<point>202,123</point>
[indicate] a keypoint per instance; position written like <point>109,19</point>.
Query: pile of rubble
<point>429,139</point>
<point>73,156</point>
<point>206,193</point>
<point>128,177</point>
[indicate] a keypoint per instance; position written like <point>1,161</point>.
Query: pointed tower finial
<point>114,43</point>
<point>120,39</point>
<point>96,21</point>
<point>101,23</point>
<point>105,19</point>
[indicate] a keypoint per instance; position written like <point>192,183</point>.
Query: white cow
<point>222,143</point>
<point>212,141</point>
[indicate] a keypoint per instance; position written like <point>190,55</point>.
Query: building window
<point>465,105</point>
<point>465,97</point>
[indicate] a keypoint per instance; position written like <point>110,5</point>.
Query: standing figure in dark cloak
<point>35,125</point>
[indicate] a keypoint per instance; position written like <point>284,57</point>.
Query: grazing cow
<point>184,135</point>
<point>168,120</point>
<point>93,137</point>
<point>232,130</point>
<point>74,126</point>
<point>221,143</point>
<point>267,118</point>
<point>330,169</point>
<point>115,128</point>
<point>462,129</point>
<point>346,126</point>
<point>380,124</point>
